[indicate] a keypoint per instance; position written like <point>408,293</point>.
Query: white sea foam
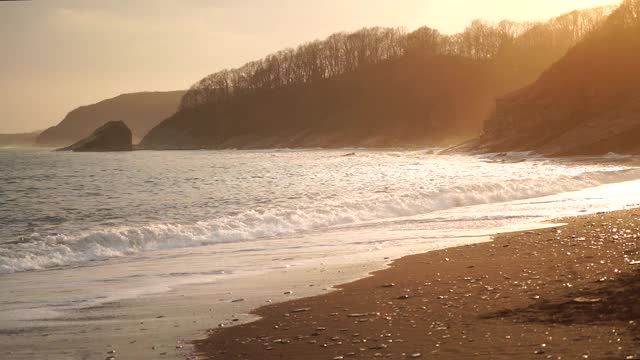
<point>39,252</point>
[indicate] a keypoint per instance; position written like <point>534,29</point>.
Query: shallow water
<point>82,232</point>
<point>67,209</point>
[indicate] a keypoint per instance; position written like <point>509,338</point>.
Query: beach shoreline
<point>561,293</point>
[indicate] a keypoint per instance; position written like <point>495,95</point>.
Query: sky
<point>58,55</point>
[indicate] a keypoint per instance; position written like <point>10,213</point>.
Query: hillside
<point>377,87</point>
<point>389,105</point>
<point>588,103</point>
<point>140,111</point>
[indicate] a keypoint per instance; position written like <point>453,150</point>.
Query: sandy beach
<point>568,292</point>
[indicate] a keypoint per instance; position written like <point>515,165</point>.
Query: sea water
<point>92,245</point>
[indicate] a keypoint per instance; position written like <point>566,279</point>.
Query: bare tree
<point>505,43</point>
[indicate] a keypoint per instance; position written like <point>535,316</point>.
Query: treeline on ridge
<point>374,87</point>
<point>506,42</point>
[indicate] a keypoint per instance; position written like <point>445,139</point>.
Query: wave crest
<point>39,252</point>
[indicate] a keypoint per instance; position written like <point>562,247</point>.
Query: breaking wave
<point>39,252</point>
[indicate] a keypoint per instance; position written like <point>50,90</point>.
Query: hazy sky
<point>58,55</point>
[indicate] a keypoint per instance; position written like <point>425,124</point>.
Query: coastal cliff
<point>140,111</point>
<point>588,103</point>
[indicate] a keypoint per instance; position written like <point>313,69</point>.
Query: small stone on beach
<point>357,315</point>
<point>300,310</point>
<point>586,300</point>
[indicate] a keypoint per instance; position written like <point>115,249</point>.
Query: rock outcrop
<point>140,111</point>
<point>588,103</point>
<point>112,136</point>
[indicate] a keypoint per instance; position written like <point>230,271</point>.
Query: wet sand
<point>570,292</point>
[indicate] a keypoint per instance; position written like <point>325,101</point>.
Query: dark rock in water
<point>112,136</point>
<point>140,111</point>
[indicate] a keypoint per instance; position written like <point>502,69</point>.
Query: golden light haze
<point>58,55</point>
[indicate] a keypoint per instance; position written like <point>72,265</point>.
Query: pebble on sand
<point>300,310</point>
<point>586,300</point>
<point>356,315</point>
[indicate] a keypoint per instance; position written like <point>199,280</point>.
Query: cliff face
<point>139,111</point>
<point>588,103</point>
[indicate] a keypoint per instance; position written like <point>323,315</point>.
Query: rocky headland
<point>588,103</point>
<point>139,111</point>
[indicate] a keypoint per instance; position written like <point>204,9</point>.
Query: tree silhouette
<point>506,43</point>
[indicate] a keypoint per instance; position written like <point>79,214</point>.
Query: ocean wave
<point>40,252</point>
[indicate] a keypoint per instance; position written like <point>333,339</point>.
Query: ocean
<point>129,250</point>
